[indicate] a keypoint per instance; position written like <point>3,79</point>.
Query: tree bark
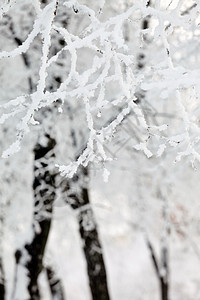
<point>2,281</point>
<point>164,289</point>
<point>44,195</point>
<point>162,276</point>
<point>93,252</point>
<point>55,285</point>
<point>89,234</point>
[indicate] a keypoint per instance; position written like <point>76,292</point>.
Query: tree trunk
<point>164,277</point>
<point>55,285</point>
<point>89,234</point>
<point>93,252</point>
<point>44,195</point>
<point>2,281</point>
<point>164,289</point>
<point>162,273</point>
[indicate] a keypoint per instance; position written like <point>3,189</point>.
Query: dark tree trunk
<point>2,274</point>
<point>44,195</point>
<point>55,285</point>
<point>2,281</point>
<point>162,276</point>
<point>164,289</point>
<point>93,252</point>
<point>89,234</point>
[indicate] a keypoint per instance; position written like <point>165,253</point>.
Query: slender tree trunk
<point>89,234</point>
<point>164,289</point>
<point>93,251</point>
<point>55,285</point>
<point>44,194</point>
<point>164,255</point>
<point>2,237</point>
<point>161,271</point>
<point>2,281</point>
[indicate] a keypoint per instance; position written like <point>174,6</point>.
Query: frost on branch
<point>109,64</point>
<point>99,58</point>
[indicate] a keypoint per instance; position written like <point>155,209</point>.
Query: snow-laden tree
<point>106,69</point>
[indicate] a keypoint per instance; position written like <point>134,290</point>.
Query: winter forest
<point>100,149</point>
